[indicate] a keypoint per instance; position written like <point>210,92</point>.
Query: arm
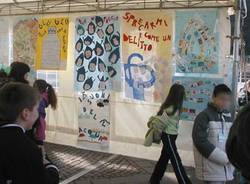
<point>203,145</point>
<point>42,172</point>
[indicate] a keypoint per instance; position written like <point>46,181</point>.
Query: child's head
<point>175,98</point>
<point>19,104</point>
<point>19,72</point>
<point>44,87</point>
<point>222,97</point>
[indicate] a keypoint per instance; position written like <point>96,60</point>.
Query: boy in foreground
<point>210,132</point>
<point>21,161</point>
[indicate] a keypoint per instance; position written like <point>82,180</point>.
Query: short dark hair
<point>14,97</point>
<point>221,89</point>
<point>18,71</point>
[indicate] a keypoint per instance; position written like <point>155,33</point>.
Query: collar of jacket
<point>13,125</point>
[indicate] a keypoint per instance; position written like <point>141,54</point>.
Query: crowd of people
<point>221,145</point>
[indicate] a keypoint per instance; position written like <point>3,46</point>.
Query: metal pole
<point>236,56</point>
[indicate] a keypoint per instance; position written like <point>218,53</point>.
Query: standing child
<point>48,97</point>
<point>21,161</point>
<point>167,124</point>
<point>210,132</point>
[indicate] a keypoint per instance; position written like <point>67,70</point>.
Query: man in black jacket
<point>238,143</point>
<point>21,161</point>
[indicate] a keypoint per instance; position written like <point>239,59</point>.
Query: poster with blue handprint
<point>196,41</point>
<point>97,53</point>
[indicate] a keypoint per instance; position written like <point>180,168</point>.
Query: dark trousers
<point>169,152</point>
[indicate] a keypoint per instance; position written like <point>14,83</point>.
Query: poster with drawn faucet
<point>147,53</point>
<point>196,41</point>
<point>52,43</point>
<point>97,53</point>
<point>198,93</point>
<point>93,117</point>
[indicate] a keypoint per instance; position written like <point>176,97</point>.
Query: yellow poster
<point>52,44</point>
<point>146,53</point>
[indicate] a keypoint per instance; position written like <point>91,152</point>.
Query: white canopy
<point>15,7</point>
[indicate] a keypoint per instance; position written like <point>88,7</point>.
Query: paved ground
<point>78,166</point>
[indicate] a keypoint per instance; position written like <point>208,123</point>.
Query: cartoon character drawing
<point>81,74</point>
<point>109,29</point>
<point>114,56</point>
<point>100,33</point>
<point>101,65</point>
<point>102,85</point>
<point>115,40</point>
<point>88,52</point>
<point>107,45</point>
<point>80,29</point>
<point>98,49</point>
<point>111,71</point>
<point>92,65</point>
<point>88,84</point>
<point>79,61</point>
<point>88,40</point>
<point>91,28</point>
<point>99,21</point>
<point>79,45</point>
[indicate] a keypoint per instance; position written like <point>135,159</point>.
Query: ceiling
<point>22,7</point>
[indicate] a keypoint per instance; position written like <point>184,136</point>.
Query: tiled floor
<point>79,166</point>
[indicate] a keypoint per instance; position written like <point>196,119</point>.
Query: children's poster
<point>147,46</point>
<point>97,53</point>
<point>93,118</point>
<point>4,41</point>
<point>196,41</point>
<point>25,33</point>
<point>198,93</point>
<point>52,43</point>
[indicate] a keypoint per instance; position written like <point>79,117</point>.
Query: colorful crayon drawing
<point>52,43</point>
<point>4,41</point>
<point>198,94</point>
<point>93,117</point>
<point>146,48</point>
<point>25,33</point>
<point>97,53</point>
<point>196,41</point>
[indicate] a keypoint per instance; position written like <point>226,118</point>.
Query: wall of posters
<point>196,41</point>
<point>4,41</point>
<point>93,118</point>
<point>198,93</point>
<point>25,33</point>
<point>52,43</point>
<point>147,44</point>
<point>97,53</point>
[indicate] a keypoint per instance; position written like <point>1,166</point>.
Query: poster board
<point>52,43</point>
<point>146,54</point>
<point>97,53</point>
<point>198,93</point>
<point>93,117</point>
<point>25,31</point>
<point>197,41</point>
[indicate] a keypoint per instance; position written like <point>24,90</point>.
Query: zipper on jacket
<point>225,169</point>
